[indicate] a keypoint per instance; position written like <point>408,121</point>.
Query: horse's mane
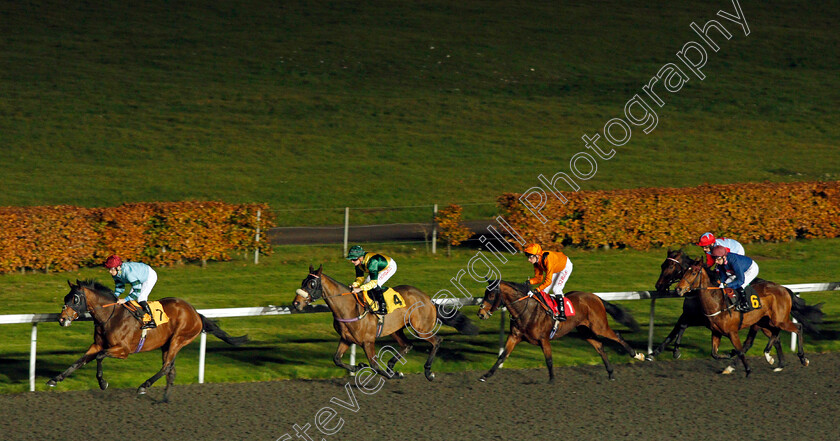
<point>97,287</point>
<point>521,287</point>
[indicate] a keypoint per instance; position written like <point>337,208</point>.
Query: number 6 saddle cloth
<point>157,310</point>
<point>393,300</point>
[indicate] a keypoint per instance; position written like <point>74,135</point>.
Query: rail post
<point>32,351</point>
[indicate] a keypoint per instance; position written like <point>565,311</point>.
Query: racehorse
<point>530,322</point>
<point>673,268</point>
<point>777,305</point>
<point>355,324</point>
<point>117,333</point>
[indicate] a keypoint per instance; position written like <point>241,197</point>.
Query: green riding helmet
<point>355,252</point>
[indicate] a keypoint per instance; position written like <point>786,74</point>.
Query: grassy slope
<point>291,103</point>
<point>301,346</point>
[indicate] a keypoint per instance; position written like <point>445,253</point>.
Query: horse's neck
<point>333,297</point>
<point>711,301</point>
<point>95,303</point>
<point>513,304</point>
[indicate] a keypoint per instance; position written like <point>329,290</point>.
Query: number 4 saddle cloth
<point>157,310</point>
<point>393,300</point>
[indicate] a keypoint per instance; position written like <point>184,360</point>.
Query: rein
<point>355,296</point>
<point>711,288</point>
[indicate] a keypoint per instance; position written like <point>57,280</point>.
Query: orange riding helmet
<point>533,249</point>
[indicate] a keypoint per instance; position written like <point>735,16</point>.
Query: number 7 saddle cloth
<point>157,310</point>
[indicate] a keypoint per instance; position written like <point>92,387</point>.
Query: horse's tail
<point>211,327</point>
<point>458,321</point>
<point>621,315</point>
<point>808,315</point>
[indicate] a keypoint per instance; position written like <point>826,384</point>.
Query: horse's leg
<point>545,344</point>
<point>427,367</point>
<point>773,341</point>
<point>607,332</point>
<point>401,339</point>
<point>513,339</point>
<point>751,336</point>
<point>99,377</point>
<point>715,346</point>
<point>343,345</point>
<point>800,350</point>
<point>736,342</point>
<point>599,347</point>
<point>170,374</point>
<point>175,344</point>
<point>90,354</point>
<point>677,332</point>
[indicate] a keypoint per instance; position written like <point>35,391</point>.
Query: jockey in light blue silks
<point>139,276</point>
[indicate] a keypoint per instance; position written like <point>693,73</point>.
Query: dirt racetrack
<point>648,401</point>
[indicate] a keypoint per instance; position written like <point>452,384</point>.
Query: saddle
<point>753,300</point>
<point>569,308</point>
<point>393,300</point>
<point>155,306</point>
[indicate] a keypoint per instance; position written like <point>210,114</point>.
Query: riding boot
<point>148,310</point>
<point>561,308</point>
<point>743,302</point>
<point>378,294</point>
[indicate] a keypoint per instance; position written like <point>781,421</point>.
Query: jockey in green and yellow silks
<point>372,271</point>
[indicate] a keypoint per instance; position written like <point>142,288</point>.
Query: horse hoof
<point>141,390</point>
<point>649,357</point>
<point>51,383</point>
<point>482,379</point>
<point>769,358</point>
<point>400,375</point>
<point>805,362</point>
<point>103,385</point>
<point>430,376</point>
<point>728,370</point>
<point>677,355</point>
<point>777,370</point>
<point>639,356</point>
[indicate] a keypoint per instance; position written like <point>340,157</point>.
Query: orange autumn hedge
<point>60,238</point>
<point>652,217</point>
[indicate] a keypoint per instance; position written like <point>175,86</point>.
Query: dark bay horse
<point>356,325</point>
<point>117,333</point>
<point>673,268</point>
<point>530,322</point>
<point>777,305</point>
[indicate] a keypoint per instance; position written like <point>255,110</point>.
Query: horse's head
<point>695,277</point>
<point>75,303</point>
<point>310,289</point>
<point>492,299</point>
<point>672,270</point>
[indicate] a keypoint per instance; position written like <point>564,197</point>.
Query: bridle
<point>498,301</point>
<point>695,280</point>
<point>315,285</point>
<point>79,306</point>
<point>676,275</point>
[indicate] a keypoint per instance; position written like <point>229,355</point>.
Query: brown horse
<point>777,305</point>
<point>117,333</point>
<point>672,270</point>
<point>530,322</point>
<point>355,324</point>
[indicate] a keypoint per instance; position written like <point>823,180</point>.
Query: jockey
<point>551,271</point>
<point>707,241</point>
<point>372,271</point>
<point>736,272</point>
<point>142,279</point>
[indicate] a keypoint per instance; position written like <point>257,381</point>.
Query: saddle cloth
<point>393,300</point>
<point>570,309</point>
<point>157,310</point>
<point>753,300</point>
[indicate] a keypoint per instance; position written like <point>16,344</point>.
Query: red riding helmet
<point>113,262</point>
<point>719,251</point>
<point>706,240</point>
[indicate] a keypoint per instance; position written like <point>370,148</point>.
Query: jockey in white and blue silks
<point>735,271</point>
<point>140,277</point>
<point>708,240</point>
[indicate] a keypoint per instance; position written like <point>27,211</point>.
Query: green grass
<point>301,346</point>
<point>300,104</point>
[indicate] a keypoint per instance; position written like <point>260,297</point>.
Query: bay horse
<point>355,324</point>
<point>530,322</point>
<point>672,270</point>
<point>116,332</point>
<point>777,305</point>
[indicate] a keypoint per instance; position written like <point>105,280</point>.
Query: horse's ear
<point>78,282</point>
<point>71,284</point>
<point>320,268</point>
<point>311,270</point>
